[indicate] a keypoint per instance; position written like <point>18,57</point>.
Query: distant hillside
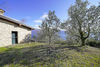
<point>34,32</point>
<point>61,33</point>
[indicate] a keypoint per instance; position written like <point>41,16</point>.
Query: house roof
<point>15,21</point>
<point>2,10</point>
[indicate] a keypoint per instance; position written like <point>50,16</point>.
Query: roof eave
<point>15,22</point>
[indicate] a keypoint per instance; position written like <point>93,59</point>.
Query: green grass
<point>2,49</point>
<point>37,55</point>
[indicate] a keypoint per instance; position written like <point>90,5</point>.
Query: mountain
<point>62,34</point>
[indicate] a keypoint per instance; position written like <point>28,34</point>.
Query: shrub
<point>93,43</point>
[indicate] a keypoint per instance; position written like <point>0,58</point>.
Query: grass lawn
<point>37,55</point>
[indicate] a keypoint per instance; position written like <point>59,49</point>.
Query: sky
<point>32,12</point>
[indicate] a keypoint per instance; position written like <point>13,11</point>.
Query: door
<point>14,37</point>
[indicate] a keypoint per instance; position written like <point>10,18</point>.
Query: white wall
<point>6,29</point>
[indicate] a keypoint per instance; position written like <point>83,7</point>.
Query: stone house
<point>12,31</point>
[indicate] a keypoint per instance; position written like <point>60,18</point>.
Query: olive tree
<point>50,26</point>
<point>82,20</point>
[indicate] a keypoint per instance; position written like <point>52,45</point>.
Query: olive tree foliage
<point>41,36</point>
<point>82,21</point>
<point>50,26</point>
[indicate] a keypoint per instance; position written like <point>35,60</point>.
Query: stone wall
<point>6,29</point>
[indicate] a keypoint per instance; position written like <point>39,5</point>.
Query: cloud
<point>37,21</point>
<point>37,27</point>
<point>41,18</point>
<point>61,29</point>
<point>44,16</point>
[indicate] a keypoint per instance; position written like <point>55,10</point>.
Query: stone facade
<point>6,28</point>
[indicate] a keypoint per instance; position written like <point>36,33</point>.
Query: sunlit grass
<point>27,45</point>
<point>2,49</point>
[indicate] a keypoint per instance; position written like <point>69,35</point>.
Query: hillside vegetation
<point>36,55</point>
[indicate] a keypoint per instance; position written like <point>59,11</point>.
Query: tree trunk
<point>82,42</point>
<point>49,49</point>
<point>49,40</point>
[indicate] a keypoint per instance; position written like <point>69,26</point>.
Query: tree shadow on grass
<point>32,55</point>
<point>76,48</point>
